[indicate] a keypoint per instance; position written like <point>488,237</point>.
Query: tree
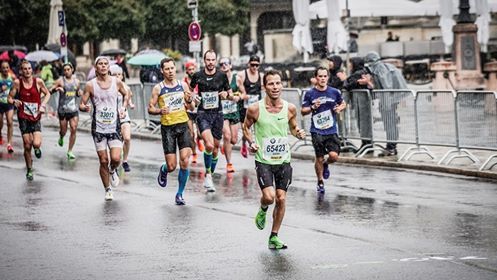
<point>227,17</point>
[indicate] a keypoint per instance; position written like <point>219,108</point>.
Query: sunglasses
<point>225,63</point>
<point>254,65</point>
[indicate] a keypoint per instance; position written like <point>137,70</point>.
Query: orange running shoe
<point>229,168</point>
<point>194,158</point>
<point>200,145</point>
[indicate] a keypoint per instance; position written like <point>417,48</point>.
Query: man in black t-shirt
<point>213,86</point>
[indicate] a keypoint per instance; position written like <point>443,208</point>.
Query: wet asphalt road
<point>371,223</point>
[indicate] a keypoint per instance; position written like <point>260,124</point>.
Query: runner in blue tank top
<point>324,103</point>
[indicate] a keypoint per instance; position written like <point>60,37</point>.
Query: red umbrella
<point>5,55</point>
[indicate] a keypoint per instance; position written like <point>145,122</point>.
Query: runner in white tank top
<point>103,92</point>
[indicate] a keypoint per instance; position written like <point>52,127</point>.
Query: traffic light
<point>192,4</point>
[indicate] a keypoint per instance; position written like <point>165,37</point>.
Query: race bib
<point>175,101</point>
<point>210,99</point>
<point>30,109</point>
<point>251,100</point>
<point>71,105</point>
<point>229,107</point>
<point>106,116</point>
<point>275,148</point>
<point>3,96</point>
<point>70,93</point>
<point>323,120</point>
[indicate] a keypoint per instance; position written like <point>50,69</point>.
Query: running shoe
<point>162,178</point>
<point>114,178</point>
<point>38,153</point>
<point>126,167</point>
<point>70,155</point>
<point>260,219</point>
<point>320,188</point>
<point>326,171</point>
<point>108,194</point>
<point>194,158</point>
<point>179,200</point>
<point>61,141</point>
<point>29,175</point>
<point>229,168</point>
<point>208,184</point>
<point>200,145</point>
<point>276,243</point>
<point>10,149</point>
<point>244,150</point>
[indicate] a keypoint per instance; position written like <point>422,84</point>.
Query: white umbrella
<point>38,56</point>
<point>336,35</point>
<point>446,23</point>
<point>302,40</point>
<point>54,30</point>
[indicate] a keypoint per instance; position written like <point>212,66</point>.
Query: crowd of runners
<point>204,111</point>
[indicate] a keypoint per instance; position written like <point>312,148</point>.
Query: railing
<point>462,121</point>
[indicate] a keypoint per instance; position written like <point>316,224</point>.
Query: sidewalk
<point>462,166</point>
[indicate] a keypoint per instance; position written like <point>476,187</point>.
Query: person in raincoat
<point>387,76</point>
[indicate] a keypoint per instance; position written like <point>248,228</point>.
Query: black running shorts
<point>213,121</point>
<point>175,135</point>
<point>278,175</point>
<point>323,144</point>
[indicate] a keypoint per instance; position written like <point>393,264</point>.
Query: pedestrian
<point>250,85</point>
<point>231,114</point>
<point>26,96</point>
<point>190,69</point>
<point>360,100</point>
<point>213,86</point>
<point>323,103</point>
<point>272,118</point>
<point>68,88</point>
<point>173,97</point>
<point>336,74</point>
<point>387,76</point>
<point>103,91</point>
<point>117,71</point>
<point>46,73</point>
<point>121,62</point>
<point>6,83</point>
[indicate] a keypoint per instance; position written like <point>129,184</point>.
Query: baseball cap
<point>254,58</point>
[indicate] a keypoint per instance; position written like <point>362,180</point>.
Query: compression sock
<point>182,179</point>
<point>207,161</point>
<point>214,163</point>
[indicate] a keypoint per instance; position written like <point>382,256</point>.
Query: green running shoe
<point>260,219</point>
<point>38,153</point>
<point>61,141</point>
<point>70,155</point>
<point>29,175</point>
<point>276,243</point>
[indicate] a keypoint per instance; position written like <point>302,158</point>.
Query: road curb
<point>421,166</point>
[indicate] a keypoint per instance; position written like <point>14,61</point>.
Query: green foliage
<point>176,55</point>
<point>228,17</point>
<point>26,22</point>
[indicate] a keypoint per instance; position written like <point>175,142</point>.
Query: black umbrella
<point>112,52</point>
<point>16,47</point>
<point>56,49</point>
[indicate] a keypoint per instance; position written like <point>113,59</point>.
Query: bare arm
<point>121,87</point>
<point>251,117</point>
<point>292,122</point>
<point>239,82</point>
<point>79,92</point>
<point>83,105</point>
<point>340,107</point>
<point>45,92</point>
<point>190,105</point>
<point>58,85</point>
<point>154,99</point>
<point>12,94</point>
